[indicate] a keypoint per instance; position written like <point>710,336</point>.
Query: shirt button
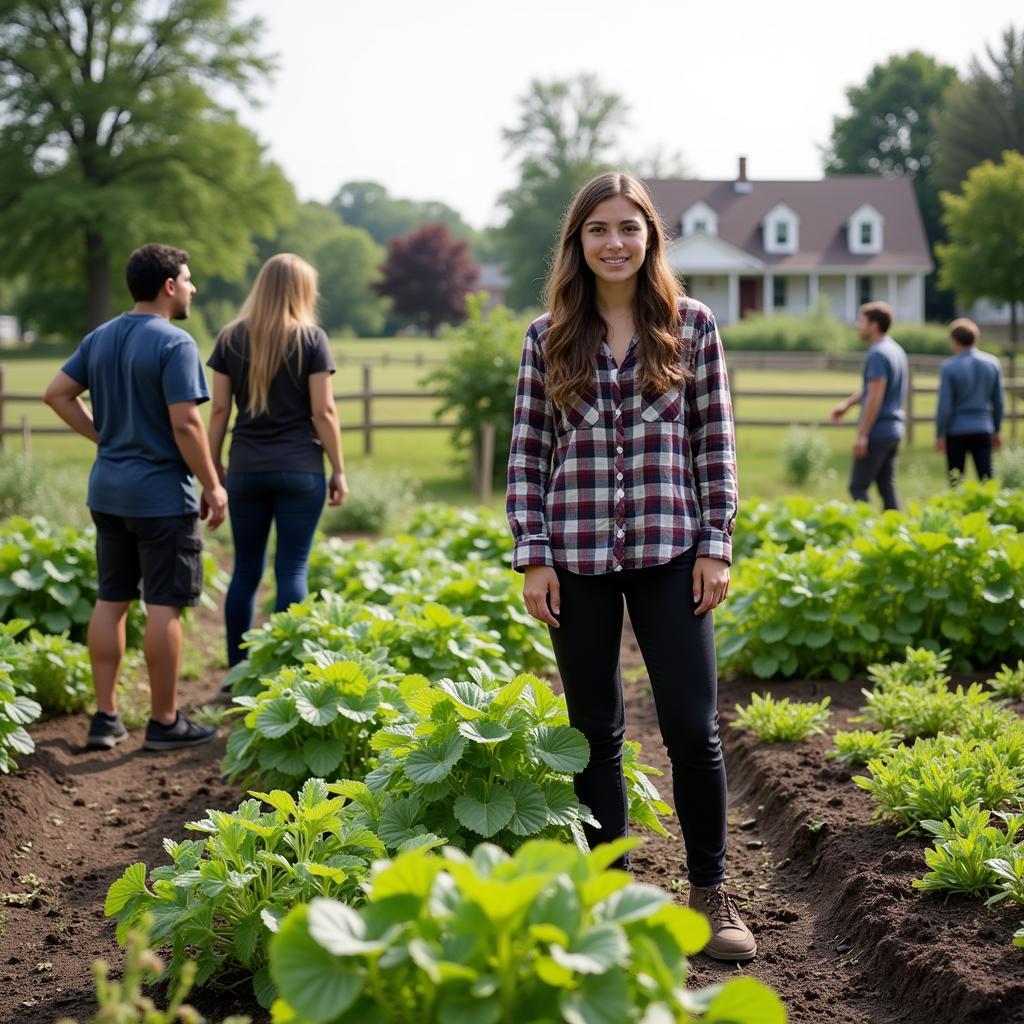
<point>618,568</point>
<point>618,476</point>
<point>622,533</point>
<point>620,493</point>
<point>619,449</point>
<point>618,412</point>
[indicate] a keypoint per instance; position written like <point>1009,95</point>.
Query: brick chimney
<point>742,184</point>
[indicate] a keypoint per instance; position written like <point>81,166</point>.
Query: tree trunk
<point>1013,339</point>
<point>99,301</point>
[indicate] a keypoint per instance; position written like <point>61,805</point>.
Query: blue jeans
<point>292,501</point>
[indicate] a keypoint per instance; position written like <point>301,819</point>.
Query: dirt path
<point>843,936</point>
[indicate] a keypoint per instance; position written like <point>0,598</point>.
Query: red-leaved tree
<point>426,276</point>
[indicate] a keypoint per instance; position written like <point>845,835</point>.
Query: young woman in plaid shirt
<point>622,485</point>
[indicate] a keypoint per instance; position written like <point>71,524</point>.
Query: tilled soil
<point>843,936</point>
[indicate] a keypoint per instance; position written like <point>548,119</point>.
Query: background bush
<point>378,501</point>
<point>805,453</point>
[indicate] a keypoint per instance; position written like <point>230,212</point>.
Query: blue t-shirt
<point>134,366</point>
<point>970,395</point>
<point>887,361</point>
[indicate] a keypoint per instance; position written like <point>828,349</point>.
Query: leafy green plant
<point>464,534</point>
<point>805,453</point>
<point>781,721</point>
<point>315,720</point>
<point>1010,470</point>
<point>914,710</point>
<point>474,760</point>
<point>223,896</point>
<point>1009,682</point>
<point>16,710</point>
<point>858,746</point>
<point>55,671</point>
<point>919,666</point>
<point>548,934</point>
<point>1009,871</point>
<point>927,780</point>
<point>965,845</point>
<point>123,1001</point>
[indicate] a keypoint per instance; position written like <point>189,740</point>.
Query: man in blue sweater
<point>882,397</point>
<point>970,408</point>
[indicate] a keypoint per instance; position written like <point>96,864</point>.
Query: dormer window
<point>699,219</point>
<point>781,228</point>
<point>864,231</point>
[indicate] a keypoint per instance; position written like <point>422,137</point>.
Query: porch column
<point>812,291</point>
<point>734,298</point>
<point>893,294</point>
<point>851,298</point>
<point>769,293</point>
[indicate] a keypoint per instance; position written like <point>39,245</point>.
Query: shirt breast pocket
<point>661,408</point>
<point>581,412</point>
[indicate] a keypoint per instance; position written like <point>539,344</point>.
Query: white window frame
<point>781,214</point>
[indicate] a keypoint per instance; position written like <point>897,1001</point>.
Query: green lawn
<point>428,456</point>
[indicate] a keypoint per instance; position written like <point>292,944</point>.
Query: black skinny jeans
<point>678,649</point>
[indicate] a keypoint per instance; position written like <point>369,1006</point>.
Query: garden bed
<point>843,936</point>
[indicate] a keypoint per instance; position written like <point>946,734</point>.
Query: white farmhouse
<point>778,246</point>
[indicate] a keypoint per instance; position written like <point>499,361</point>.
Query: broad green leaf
<point>22,710</point>
<point>339,929</point>
<point>773,632</point>
<point>434,761</point>
<point>764,666</point>
<point>131,883</point>
<point>600,999</point>
<point>560,797</point>
<point>469,700</point>
<point>484,731</point>
<point>264,988</point>
<point>561,748</point>
<point>276,718</point>
<point>690,929</point>
<point>317,706</point>
<point>323,755</point>
<point>455,1010</point>
<point>314,983</point>
<point>485,811</point>
<point>745,1000</point>
<point>632,904</point>
<point>600,948</point>
<point>869,631</point>
<point>359,707</point>
<point>531,812</point>
<point>279,800</point>
<point>411,874</point>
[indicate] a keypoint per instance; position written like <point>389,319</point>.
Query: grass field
<point>428,456</point>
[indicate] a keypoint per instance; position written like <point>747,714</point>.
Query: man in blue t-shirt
<point>882,398</point>
<point>146,382</point>
<point>970,410</point>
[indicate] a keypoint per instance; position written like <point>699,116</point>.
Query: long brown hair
<point>281,304</point>
<point>577,328</point>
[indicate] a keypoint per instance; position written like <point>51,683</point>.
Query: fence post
<point>487,465</point>
<point>910,405</point>
<point>1013,389</point>
<point>2,371</point>
<point>26,437</point>
<point>367,410</point>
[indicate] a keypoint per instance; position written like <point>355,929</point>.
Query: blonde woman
<point>275,361</point>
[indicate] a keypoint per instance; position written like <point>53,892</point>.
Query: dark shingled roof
<point>823,208</point>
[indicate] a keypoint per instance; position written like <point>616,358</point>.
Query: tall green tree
<point>109,137</point>
<point>369,205</point>
<point>890,131</point>
<point>985,254</point>
<point>566,132</point>
<point>984,113</point>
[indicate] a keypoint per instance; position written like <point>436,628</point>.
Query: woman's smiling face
<point>614,239</point>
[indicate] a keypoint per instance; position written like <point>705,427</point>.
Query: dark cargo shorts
<point>159,559</point>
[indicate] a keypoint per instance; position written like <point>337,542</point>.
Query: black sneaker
<point>224,695</point>
<point>105,732</point>
<point>182,733</point>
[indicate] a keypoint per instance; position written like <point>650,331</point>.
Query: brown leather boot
<point>731,939</point>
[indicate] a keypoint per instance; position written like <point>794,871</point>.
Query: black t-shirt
<point>283,438</point>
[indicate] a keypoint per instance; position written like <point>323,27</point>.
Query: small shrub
<point>56,672</point>
<point>1009,871</point>
<point>1009,467</point>
<point>915,711</point>
<point>29,487</point>
<point>858,746</point>
<point>1009,682</point>
<point>16,710</point>
<point>919,666</point>
<point>546,935</point>
<point>378,501</point>
<point>805,454</point>
<point>781,721</point>
<point>964,846</point>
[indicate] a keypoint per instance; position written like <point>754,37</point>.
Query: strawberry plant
<point>858,746</point>
<point>965,845</point>
<point>782,721</point>
<point>545,935</point>
<point>54,671</point>
<point>314,720</point>
<point>464,534</point>
<point>797,522</point>
<point>475,760</point>
<point>222,896</point>
<point>16,710</point>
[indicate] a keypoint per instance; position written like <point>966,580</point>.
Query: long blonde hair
<point>574,338</point>
<point>281,304</point>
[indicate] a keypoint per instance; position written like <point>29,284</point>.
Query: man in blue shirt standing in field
<point>970,408</point>
<point>146,382</point>
<point>882,398</point>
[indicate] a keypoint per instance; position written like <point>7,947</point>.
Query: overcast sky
<point>414,93</point>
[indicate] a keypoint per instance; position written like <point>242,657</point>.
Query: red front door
<point>750,295</point>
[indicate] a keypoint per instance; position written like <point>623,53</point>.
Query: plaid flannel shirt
<point>619,479</point>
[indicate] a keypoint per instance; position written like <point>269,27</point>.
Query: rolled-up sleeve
<point>713,446</point>
<point>529,463</point>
